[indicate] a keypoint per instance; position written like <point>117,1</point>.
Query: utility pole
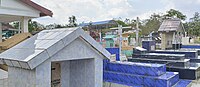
<point>1,31</point>
<point>137,32</point>
<point>120,38</point>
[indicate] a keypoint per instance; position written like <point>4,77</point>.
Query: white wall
<point>18,77</point>
<point>15,7</point>
<point>39,77</point>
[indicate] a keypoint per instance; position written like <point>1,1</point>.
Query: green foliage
<point>193,27</point>
<point>174,13</point>
<point>72,21</point>
<point>32,26</point>
<point>121,23</point>
<point>151,24</point>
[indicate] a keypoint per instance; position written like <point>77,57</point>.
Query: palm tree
<point>72,21</point>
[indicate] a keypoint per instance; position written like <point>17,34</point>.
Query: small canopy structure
<point>172,31</point>
<point>79,56</point>
<point>171,25</point>
<point>21,11</point>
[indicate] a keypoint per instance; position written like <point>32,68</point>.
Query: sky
<point>99,10</point>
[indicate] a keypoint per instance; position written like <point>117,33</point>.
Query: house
<point>95,28</point>
<point>8,31</point>
<point>110,40</point>
<point>171,31</point>
<point>21,11</point>
<point>67,57</point>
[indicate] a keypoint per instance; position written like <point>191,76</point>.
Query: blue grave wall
<point>114,51</point>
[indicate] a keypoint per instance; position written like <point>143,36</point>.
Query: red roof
<point>44,11</point>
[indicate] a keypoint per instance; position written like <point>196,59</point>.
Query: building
<point>110,40</point>
<point>21,11</point>
<point>65,57</point>
<point>171,31</point>
<point>95,28</point>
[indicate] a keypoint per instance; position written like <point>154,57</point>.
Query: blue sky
<point>97,10</point>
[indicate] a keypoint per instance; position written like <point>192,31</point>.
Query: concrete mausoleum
<point>65,57</point>
<point>20,11</point>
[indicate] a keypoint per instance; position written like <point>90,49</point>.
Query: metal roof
<point>98,23</point>
<point>44,45</point>
<point>170,25</point>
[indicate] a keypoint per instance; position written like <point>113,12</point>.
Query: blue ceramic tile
<point>183,83</point>
<point>166,80</point>
<point>149,82</point>
<point>147,69</point>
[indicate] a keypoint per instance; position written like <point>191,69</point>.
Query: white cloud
<point>95,10</point>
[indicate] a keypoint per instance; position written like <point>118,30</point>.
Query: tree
<point>193,27</point>
<point>196,17</point>
<point>32,26</point>
<point>174,13</point>
<point>151,24</point>
<point>72,21</point>
<point>121,23</point>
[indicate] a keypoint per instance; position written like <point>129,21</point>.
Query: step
<point>136,68</point>
<point>188,54</point>
<point>176,63</point>
<point>197,60</point>
<point>109,84</point>
<point>160,56</point>
<point>166,80</point>
<point>191,73</point>
<point>183,83</point>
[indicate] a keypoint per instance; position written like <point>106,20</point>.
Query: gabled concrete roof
<point>35,50</point>
<point>44,11</point>
<point>170,25</point>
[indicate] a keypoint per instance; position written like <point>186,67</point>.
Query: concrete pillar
<point>98,63</point>
<point>0,32</point>
<point>24,24</point>
<point>43,75</point>
<point>163,41</point>
<point>65,74</point>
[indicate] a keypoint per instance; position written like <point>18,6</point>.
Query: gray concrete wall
<point>39,77</point>
<point>18,77</point>
<point>82,73</point>
<point>78,73</point>
<point>77,49</point>
<point>65,74</point>
<point>43,74</point>
<point>98,72</point>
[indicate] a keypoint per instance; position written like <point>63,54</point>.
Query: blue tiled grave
<point>124,73</point>
<point>146,69</point>
<point>166,80</point>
